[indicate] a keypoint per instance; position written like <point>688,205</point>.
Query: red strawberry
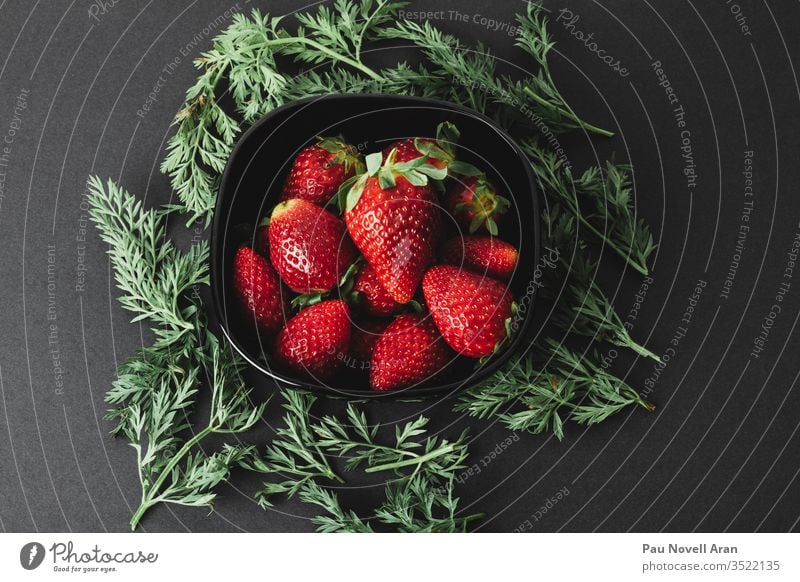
<point>316,340</point>
<point>409,352</point>
<point>407,150</point>
<point>485,255</point>
<point>470,310</point>
<point>475,204</point>
<point>363,339</point>
<point>258,289</point>
<point>319,170</point>
<point>374,298</point>
<point>440,152</point>
<point>308,246</point>
<point>393,217</point>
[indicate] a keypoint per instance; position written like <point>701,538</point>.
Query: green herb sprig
<point>156,392</point>
<point>418,495</point>
<point>244,61</point>
<point>534,39</point>
<point>613,222</point>
<point>170,469</point>
<point>154,278</point>
<point>149,271</point>
<point>469,76</point>
<point>582,307</point>
<point>540,392</point>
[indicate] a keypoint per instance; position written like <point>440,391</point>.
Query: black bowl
<point>252,181</point>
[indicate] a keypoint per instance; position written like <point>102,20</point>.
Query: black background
<point>720,453</point>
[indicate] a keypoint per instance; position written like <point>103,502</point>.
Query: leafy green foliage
<point>540,393</point>
<point>468,76</point>
<point>581,305</point>
<point>244,62</point>
<point>170,474</point>
<point>169,470</point>
<point>611,195</point>
<point>149,271</point>
<point>612,223</point>
<point>293,455</point>
<point>156,391</point>
<point>584,308</point>
<point>341,31</point>
<point>534,39</point>
<point>418,495</point>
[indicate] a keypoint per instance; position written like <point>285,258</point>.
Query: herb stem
<point>143,507</point>
<point>472,517</point>
<point>377,447</point>
<point>322,48</point>
<point>147,500</point>
<point>568,114</point>
<point>572,202</point>
<point>327,467</point>
<point>628,342</point>
<point>648,406</point>
<point>642,269</point>
<point>416,460</point>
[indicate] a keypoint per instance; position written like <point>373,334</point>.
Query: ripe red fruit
<point>486,255</point>
<point>470,310</point>
<point>374,298</point>
<point>319,170</point>
<point>393,218</point>
<point>407,150</point>
<point>440,151</point>
<point>315,342</point>
<point>258,289</point>
<point>308,246</point>
<point>410,351</point>
<point>475,204</point>
<point>364,336</point>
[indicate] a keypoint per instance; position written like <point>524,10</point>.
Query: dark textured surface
<point>721,452</point>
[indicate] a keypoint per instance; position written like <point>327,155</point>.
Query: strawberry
<point>439,152</point>
<point>364,336</point>
<point>373,297</point>
<point>409,149</point>
<point>258,289</point>
<point>308,246</point>
<point>319,170</point>
<point>470,310</point>
<point>315,341</point>
<point>410,351</point>
<point>392,216</point>
<point>475,204</point>
<point>485,255</point>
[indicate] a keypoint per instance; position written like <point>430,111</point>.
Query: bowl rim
<point>221,313</point>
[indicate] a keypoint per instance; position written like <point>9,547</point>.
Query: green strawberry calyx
<point>443,148</point>
<point>501,345</point>
<point>343,153</point>
<point>344,289</point>
<point>485,206</point>
<point>416,171</point>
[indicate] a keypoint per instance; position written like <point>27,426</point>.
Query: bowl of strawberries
<point>375,246</point>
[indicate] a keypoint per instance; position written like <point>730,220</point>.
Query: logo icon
<point>31,555</point>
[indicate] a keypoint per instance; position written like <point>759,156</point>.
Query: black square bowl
<point>252,181</point>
